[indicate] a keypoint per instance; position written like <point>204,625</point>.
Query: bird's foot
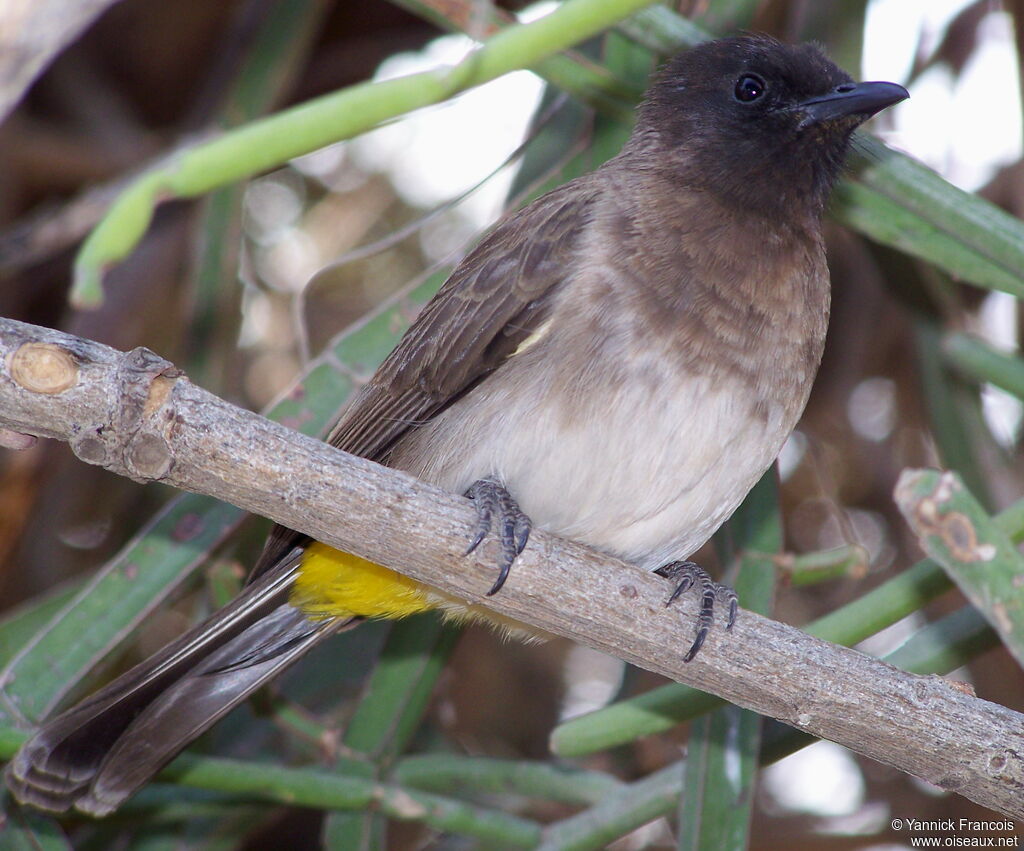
<point>686,574</point>
<point>497,510</point>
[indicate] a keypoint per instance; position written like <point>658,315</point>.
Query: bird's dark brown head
<point>761,124</point>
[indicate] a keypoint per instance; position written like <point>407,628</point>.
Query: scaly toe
<point>497,510</point>
<point>686,574</point>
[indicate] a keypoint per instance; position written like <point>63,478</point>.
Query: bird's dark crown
<point>726,117</point>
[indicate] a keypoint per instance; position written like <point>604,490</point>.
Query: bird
<point>617,363</point>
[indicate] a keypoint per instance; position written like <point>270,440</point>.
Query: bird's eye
<point>749,88</point>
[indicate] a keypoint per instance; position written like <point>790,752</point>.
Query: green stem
<point>465,775</point>
<point>979,361</point>
<point>321,789</point>
<point>619,813</point>
<point>273,141</point>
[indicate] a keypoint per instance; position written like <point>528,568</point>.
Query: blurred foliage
<point>419,737</point>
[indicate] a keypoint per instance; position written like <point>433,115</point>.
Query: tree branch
<point>136,414</point>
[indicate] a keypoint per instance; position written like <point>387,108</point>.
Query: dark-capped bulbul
<point>617,363</point>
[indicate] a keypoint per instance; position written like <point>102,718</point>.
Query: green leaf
<point>273,141</point>
<point>979,361</point>
<point>721,755</point>
<point>390,711</point>
<point>175,544</point>
<point>959,534</point>
<point>900,202</point>
<point>620,812</point>
<point>662,708</point>
<point>19,625</point>
<point>118,598</point>
<point>954,411</point>
<point>317,788</point>
<point>24,829</point>
<point>467,776</point>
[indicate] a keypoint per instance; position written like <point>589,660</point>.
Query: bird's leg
<point>496,509</point>
<point>686,574</point>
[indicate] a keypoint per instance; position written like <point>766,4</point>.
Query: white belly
<point>647,470</point>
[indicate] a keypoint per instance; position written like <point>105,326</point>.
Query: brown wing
<point>100,752</point>
<point>494,300</point>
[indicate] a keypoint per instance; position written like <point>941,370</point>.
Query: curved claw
<point>522,534</point>
<point>496,508</point>
<point>483,526</point>
<point>698,642</point>
<point>728,596</point>
<point>478,538</point>
<point>503,570</point>
<point>687,574</point>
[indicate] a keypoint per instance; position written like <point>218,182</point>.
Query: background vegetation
<point>413,735</point>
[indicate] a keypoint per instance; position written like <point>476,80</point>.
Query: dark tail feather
<point>99,753</point>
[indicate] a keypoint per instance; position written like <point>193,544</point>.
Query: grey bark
<point>139,416</point>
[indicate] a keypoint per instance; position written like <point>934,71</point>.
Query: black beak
<point>851,99</point>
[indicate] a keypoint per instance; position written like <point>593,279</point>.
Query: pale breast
<point>662,385</point>
<point>639,460</point>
